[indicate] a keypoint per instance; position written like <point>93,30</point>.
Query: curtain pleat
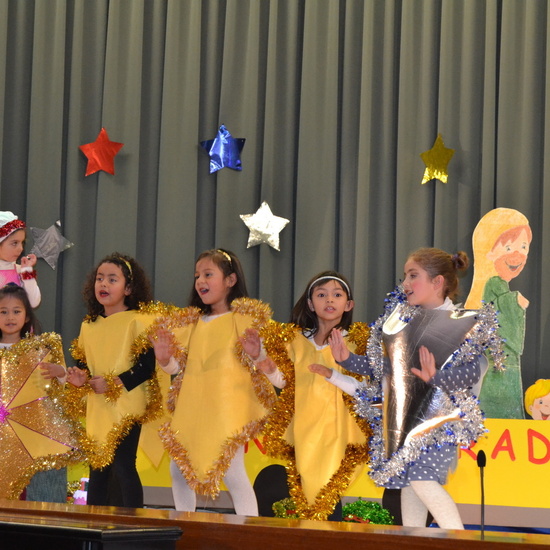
<point>336,99</point>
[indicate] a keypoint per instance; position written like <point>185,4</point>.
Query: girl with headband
<point>313,426</point>
<point>219,400</point>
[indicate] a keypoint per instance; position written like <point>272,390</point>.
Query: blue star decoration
<point>264,227</point>
<point>49,243</point>
<point>224,150</point>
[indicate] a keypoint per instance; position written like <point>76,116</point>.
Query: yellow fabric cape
<point>219,400</point>
<point>107,346</point>
<point>313,426</point>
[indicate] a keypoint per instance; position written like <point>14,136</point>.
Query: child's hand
<point>340,351</point>
<point>320,369</point>
<point>163,344</point>
<point>28,261</point>
<point>76,377</point>
<point>251,343</point>
<point>427,368</point>
<point>267,366</point>
<point>51,370</point>
<point>99,384</point>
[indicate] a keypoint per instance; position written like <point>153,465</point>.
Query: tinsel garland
<point>276,338</point>
<point>285,508</point>
<point>114,390</point>
<point>179,318</point>
<point>366,511</point>
<point>214,476</point>
<point>462,432</point>
<point>50,419</point>
<point>100,454</point>
<point>173,318</point>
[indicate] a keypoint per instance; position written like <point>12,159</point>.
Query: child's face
<point>111,288</point>
<point>13,316</point>
<point>12,246</point>
<point>212,286</point>
<point>540,409</point>
<point>420,289</point>
<point>509,259</point>
<point>329,301</point>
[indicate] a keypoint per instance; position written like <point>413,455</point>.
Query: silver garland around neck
<point>462,432</point>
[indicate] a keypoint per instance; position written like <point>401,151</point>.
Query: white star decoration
<point>264,227</point>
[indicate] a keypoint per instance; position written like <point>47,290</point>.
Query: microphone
<point>481,459</point>
<point>481,462</point>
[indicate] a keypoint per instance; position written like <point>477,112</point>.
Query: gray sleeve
<point>458,377</point>
<point>358,364</point>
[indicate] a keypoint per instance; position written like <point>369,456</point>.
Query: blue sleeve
<point>458,377</point>
<point>358,364</point>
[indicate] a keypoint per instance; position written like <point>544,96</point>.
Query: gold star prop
<point>264,227</point>
<point>436,160</point>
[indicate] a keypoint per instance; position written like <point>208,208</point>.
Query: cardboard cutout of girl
<point>501,243</point>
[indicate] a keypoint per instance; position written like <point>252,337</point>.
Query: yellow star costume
<point>35,432</point>
<point>219,400</point>
<point>313,426</point>
<point>107,347</point>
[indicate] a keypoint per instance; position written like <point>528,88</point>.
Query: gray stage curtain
<point>336,100</point>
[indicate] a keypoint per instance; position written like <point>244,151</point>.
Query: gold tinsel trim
<point>49,462</point>
<point>174,318</point>
<point>55,391</point>
<point>114,390</point>
<point>77,353</point>
<point>276,337</point>
<point>214,476</point>
<point>261,314</point>
<point>101,454</point>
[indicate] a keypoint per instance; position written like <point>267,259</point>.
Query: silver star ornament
<point>49,243</point>
<point>264,227</point>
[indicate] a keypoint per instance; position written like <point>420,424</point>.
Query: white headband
<point>344,284</point>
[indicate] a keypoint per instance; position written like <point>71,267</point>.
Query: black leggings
<point>118,484</point>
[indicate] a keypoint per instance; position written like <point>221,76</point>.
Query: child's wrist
<point>28,272</point>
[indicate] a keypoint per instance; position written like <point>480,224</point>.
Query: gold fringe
<point>114,390</point>
<point>99,454</point>
<point>214,476</point>
<point>55,392</point>
<point>261,313</point>
<point>276,338</point>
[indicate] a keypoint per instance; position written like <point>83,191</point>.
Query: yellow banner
<point>516,473</point>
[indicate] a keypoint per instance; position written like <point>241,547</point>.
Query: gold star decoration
<point>264,227</point>
<point>436,160</point>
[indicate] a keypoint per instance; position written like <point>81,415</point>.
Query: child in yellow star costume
<point>313,426</point>
<point>37,438</point>
<point>219,400</point>
<point>116,377</point>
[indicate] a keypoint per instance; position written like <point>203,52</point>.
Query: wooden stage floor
<point>213,531</point>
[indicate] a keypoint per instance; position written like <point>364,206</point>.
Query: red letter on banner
<point>504,444</point>
<point>530,435</point>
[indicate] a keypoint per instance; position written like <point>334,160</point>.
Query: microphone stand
<point>481,461</point>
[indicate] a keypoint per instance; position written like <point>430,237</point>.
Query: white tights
<point>236,481</point>
<point>422,496</point>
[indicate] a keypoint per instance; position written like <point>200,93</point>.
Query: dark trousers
<point>118,484</point>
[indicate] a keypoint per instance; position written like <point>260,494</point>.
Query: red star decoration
<point>101,154</point>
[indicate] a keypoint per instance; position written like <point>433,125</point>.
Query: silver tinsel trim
<point>463,432</point>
